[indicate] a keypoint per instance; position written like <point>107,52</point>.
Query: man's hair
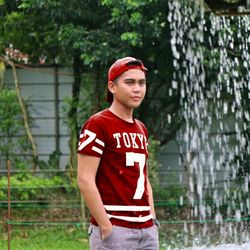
<point>135,63</point>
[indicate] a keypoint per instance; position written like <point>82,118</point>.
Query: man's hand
<point>106,231</point>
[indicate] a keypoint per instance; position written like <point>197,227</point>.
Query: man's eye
<point>129,82</point>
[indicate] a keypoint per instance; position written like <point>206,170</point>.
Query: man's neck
<point>122,112</point>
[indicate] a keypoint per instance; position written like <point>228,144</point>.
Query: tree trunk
<point>72,116</point>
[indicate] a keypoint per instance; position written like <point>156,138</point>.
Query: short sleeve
<point>91,140</point>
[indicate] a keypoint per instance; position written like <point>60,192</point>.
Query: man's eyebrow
<point>133,79</point>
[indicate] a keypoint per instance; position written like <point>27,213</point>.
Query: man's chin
<point>134,106</point>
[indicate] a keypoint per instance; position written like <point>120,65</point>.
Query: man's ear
<point>111,86</point>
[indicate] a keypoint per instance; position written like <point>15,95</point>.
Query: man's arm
<point>86,174</point>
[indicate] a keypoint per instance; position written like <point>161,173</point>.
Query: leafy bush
<point>171,193</point>
<point>52,164</point>
<point>28,187</point>
<point>170,201</point>
<point>12,125</point>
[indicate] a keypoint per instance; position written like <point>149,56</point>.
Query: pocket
<point>90,230</point>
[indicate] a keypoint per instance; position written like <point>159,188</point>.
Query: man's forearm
<point>93,201</point>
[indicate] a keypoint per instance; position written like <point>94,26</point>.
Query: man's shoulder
<point>142,127</point>
<point>140,123</point>
<point>101,118</point>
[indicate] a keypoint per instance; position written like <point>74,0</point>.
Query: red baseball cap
<point>119,67</point>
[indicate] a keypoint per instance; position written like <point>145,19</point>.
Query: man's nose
<point>137,87</point>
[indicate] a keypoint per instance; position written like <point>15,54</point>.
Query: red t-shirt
<point>122,174</point>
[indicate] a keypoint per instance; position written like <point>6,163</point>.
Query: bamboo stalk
<point>2,70</point>
<point>24,113</point>
<point>83,212</point>
<point>25,116</point>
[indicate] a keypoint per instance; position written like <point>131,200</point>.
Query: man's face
<point>129,88</point>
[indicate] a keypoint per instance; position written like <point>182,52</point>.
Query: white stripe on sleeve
<point>94,148</point>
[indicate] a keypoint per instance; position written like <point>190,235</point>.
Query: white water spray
<point>213,90</point>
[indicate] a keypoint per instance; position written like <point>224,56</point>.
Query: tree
<point>90,35</point>
<point>61,35</point>
<point>143,28</point>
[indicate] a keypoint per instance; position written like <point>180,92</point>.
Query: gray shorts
<point>123,238</point>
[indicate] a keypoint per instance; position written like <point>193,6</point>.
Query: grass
<point>45,238</point>
<point>74,238</point>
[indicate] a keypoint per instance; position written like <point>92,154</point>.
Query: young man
<point>112,166</point>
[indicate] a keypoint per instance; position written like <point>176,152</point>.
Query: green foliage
<point>11,124</point>
<point>153,163</point>
<point>170,201</point>
<point>138,22</point>
<point>132,37</point>
<point>168,196</point>
<point>52,164</point>
<point>28,187</point>
<point>171,193</point>
<point>56,32</point>
<point>84,106</point>
<point>9,113</point>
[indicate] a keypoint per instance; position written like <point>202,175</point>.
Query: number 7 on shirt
<point>131,159</point>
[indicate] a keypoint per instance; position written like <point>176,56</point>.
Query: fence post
<point>9,206</point>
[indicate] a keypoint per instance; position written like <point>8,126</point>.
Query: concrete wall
<point>45,91</point>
